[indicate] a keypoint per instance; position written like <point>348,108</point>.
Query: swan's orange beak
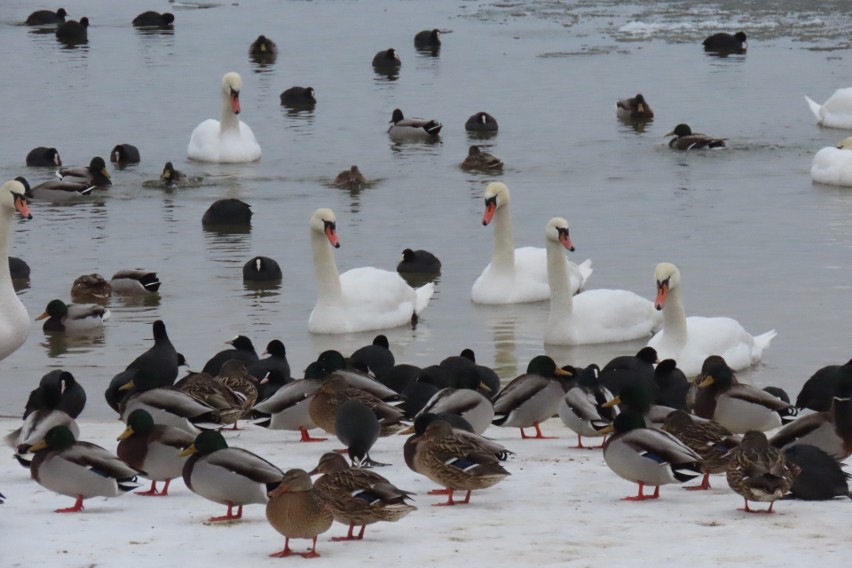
<point>490,208</point>
<point>22,207</point>
<point>235,101</point>
<point>566,241</point>
<point>662,292</point>
<point>331,235</point>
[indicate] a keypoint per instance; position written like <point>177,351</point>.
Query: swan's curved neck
<point>561,298</point>
<point>674,316</point>
<point>325,269</point>
<point>228,120</point>
<point>503,253</point>
<point>5,275</point>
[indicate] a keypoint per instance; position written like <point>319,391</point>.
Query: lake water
<point>753,237</point>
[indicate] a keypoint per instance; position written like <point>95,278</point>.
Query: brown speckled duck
<point>709,439</point>
<point>335,390</point>
<point>759,472</point>
<point>296,510</point>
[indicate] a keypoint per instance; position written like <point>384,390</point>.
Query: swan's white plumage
<point>833,166</point>
<point>516,275</point>
<point>360,299</point>
<point>228,139</point>
<point>593,316</point>
<point>836,112</point>
<point>690,340</point>
<point>14,319</point>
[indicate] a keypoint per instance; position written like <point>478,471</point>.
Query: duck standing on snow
<point>296,510</point>
<point>709,439</point>
<point>582,408</point>
<point>229,139</point>
<point>14,319</point>
<point>759,472</point>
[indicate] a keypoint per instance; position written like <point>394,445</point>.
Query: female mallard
<point>78,469</point>
<point>358,497</point>
<point>532,397</point>
<point>685,139</point>
<point>90,287</point>
<point>135,281</point>
<point>296,510</point>
<point>153,449</point>
<point>648,456</point>
<point>634,108</point>
<point>289,407</point>
<point>739,407</point>
<point>478,160</point>
<point>402,127</point>
<point>172,178</point>
<point>228,405</point>
<point>73,317</point>
<point>481,122</point>
<point>464,400</point>
<point>759,472</point>
<point>94,174</point>
<point>228,476</point>
<point>263,48</point>
<point>351,178</point>
<point>455,461</point>
<point>709,439</point>
<point>335,390</point>
<point>582,408</point>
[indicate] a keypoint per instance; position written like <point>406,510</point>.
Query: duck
<point>228,404</point>
<point>45,409</point>
<point>427,38</point>
<point>335,391</point>
<point>78,469</point>
<point>648,456</point>
<point>351,178</point>
<point>818,391</point>
<point>299,97</point>
<point>166,404</point>
<point>289,407</point>
<point>685,139</point>
<point>582,410</point>
<point>831,430</point>
<point>153,449</point>
<point>387,60</point>
<point>736,406</point>
<point>465,400</point>
<point>95,173</point>
<point>276,360</point>
<point>135,281</point>
<point>172,178</point>
<point>418,261</point>
<point>333,362</point>
<point>402,128</point>
<point>637,398</point>
<point>152,19</point>
<point>375,358</point>
<point>234,377</point>
<point>228,140</point>
<point>532,397</point>
<point>44,157</point>
<point>360,299</point>
<point>836,112</point>
<point>515,275</point>
<point>626,369</point>
<point>72,31</point>
<point>263,48</point>
<point>228,212</point>
<point>709,439</point>
<point>483,161</point>
<point>595,316</point>
<point>228,476</point>
<point>481,122</point>
<point>241,349</point>
<point>758,472</point>
<point>46,17</point>
<point>57,389</point>
<point>358,497</point>
<point>125,154</point>
<point>57,190</point>
<point>726,43</point>
<point>633,108</point>
<point>90,287</point>
<point>73,317</point>
<point>14,319</point>
<point>689,340</point>
<point>296,510</point>
<point>833,165</point>
<point>821,477</point>
<point>261,269</point>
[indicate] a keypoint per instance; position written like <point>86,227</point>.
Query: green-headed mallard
<point>638,398</point>
<point>296,510</point>
<point>648,456</point>
<point>153,449</point>
<point>289,407</point>
<point>94,174</point>
<point>685,139</point>
<point>78,469</point>
<point>135,281</point>
<point>483,161</point>
<point>759,472</point>
<point>73,317</point>
<point>168,405</point>
<point>707,438</point>
<point>228,476</point>
<point>335,390</point>
<point>57,190</point>
<point>358,497</point>
<point>466,400</point>
<point>582,408</point>
<point>402,127</point>
<point>633,108</point>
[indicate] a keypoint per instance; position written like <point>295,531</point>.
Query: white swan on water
<point>14,319</point>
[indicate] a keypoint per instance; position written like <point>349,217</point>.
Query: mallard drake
<point>242,350</point>
<point>671,385</point>
<point>90,287</point>
<point>227,212</point>
<point>707,438</point>
<point>532,397</point>
<point>228,476</point>
<point>685,139</point>
<point>263,47</point>
<point>639,399</point>
<point>628,369</point>
<point>456,461</point>
<point>73,317</point>
<point>582,410</point>
<point>153,449</point>
<point>38,421</point>
<point>261,269</point>
<point>289,407</point>
<point>481,122</point>
<point>57,190</point>
<point>726,43</point>
<point>78,469</point>
<point>418,261</point>
<point>387,60</point>
<point>299,97</point>
<point>836,112</point>
<point>464,400</point>
<point>135,281</point>
<point>818,391</point>
<point>296,510</point>
<point>46,17</point>
<point>648,456</point>
<point>821,477</point>
<point>402,127</point>
<point>739,407</point>
<point>478,160</point>
<point>44,157</point>
<point>173,178</point>
<point>358,497</point>
<point>634,108</point>
<point>125,154</point>
<point>427,38</point>
<point>73,31</point>
<point>759,472</point>
<point>94,174</point>
<point>375,358</point>
<point>152,19</point>
<point>335,390</point>
<point>351,178</point>
<point>276,361</point>
<point>166,404</point>
<point>57,389</point>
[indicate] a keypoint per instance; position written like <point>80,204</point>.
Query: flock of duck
<point>673,412</point>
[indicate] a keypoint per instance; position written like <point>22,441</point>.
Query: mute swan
<point>836,112</point>
<point>515,275</point>
<point>833,166</point>
<point>691,340</point>
<point>595,316</point>
<point>360,299</point>
<point>227,139</point>
<point>14,319</point>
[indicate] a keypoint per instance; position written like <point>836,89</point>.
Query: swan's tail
<point>424,294</point>
<point>763,340</point>
<point>585,271</point>
<point>815,107</point>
